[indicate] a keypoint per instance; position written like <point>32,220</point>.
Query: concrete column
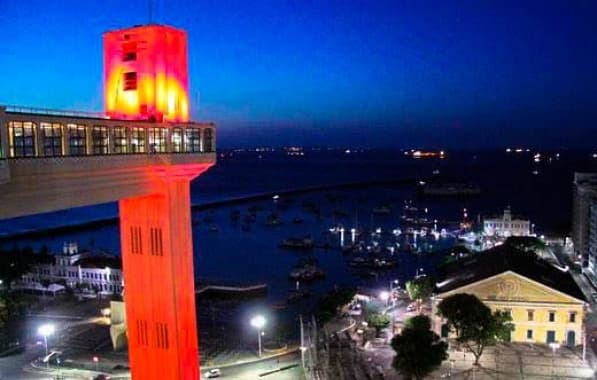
<point>39,147</point>
<point>157,255</point>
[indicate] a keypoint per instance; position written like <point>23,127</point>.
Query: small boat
<point>383,210</point>
<point>213,228</point>
<point>297,220</point>
<point>297,243</point>
<point>307,272</point>
<point>273,220</point>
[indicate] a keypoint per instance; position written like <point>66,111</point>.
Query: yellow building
<point>545,303</point>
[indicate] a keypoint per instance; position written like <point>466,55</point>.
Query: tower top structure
<point>146,73</point>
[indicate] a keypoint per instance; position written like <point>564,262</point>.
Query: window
<point>176,140</point>
<point>530,315</point>
<point>162,335</point>
<point>51,137</point>
<point>129,81</point>
<point>208,143</point>
<point>529,334</point>
<point>120,143</point>
<point>99,137</point>
<point>129,52</point>
<point>551,336</point>
<point>192,140</point>
<point>137,140</point>
<point>572,317</point>
<point>21,136</point>
<point>157,140</point>
<point>552,316</point>
<point>77,137</point>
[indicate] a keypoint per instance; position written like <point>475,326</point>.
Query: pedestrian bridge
<point>52,160</point>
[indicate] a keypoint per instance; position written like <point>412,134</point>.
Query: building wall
<point>584,195</point>
<point>105,280</point>
<point>506,226</point>
<point>541,324</point>
<point>519,295</point>
<point>592,241</point>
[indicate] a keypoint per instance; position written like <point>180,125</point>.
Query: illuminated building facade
<point>143,151</point>
<point>505,226</point>
<point>145,73</point>
<point>545,303</point>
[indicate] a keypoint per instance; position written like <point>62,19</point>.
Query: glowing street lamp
<point>554,346</point>
<point>45,331</point>
<point>384,296</point>
<point>258,322</point>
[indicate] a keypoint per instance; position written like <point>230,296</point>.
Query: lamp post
<point>45,331</point>
<point>258,322</point>
<point>554,346</point>
<point>384,296</point>
<point>419,270</point>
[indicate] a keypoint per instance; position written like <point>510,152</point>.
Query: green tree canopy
<point>474,324</point>
<point>419,351</point>
<point>419,288</point>
<point>378,321</point>
<point>331,302</point>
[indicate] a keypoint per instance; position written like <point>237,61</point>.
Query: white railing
<point>53,112</point>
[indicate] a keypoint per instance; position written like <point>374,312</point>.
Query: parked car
<point>213,373</point>
<point>411,307</point>
<point>594,297</point>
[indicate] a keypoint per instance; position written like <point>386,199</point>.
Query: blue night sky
<point>367,73</point>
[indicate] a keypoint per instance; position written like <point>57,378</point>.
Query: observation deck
<point>52,160</point>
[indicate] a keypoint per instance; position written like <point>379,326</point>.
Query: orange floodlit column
<point>159,295</point>
<point>146,73</point>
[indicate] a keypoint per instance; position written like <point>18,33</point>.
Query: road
<point>253,370</point>
<point>13,366</point>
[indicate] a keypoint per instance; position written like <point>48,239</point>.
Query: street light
<point>384,296</point>
<point>45,331</point>
<point>258,322</point>
<point>417,275</point>
<point>554,346</point>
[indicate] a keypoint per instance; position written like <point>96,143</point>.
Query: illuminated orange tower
<point>145,73</point>
<point>146,79</point>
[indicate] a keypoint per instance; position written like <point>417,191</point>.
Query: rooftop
<point>100,262</point>
<point>502,259</point>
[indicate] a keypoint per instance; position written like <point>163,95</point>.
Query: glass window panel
<point>137,140</point>
<point>192,140</point>
<point>157,140</point>
<point>120,140</point>
<point>208,145</point>
<point>21,135</point>
<point>77,140</point>
<point>100,139</point>
<point>177,140</point>
<point>51,135</point>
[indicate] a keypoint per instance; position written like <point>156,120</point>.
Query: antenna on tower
<point>150,10</point>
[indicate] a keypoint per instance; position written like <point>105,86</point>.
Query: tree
<point>330,303</point>
<point>419,351</point>
<point>378,321</point>
<point>474,324</point>
<point>419,289</point>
